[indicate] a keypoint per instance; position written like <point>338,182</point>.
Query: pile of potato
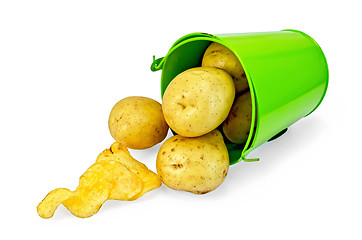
<point>196,103</point>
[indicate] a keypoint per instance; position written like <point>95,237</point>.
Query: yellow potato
<point>237,125</point>
<point>198,100</point>
<point>219,56</point>
<point>198,165</point>
<point>137,122</point>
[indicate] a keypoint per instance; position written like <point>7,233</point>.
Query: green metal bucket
<point>286,70</point>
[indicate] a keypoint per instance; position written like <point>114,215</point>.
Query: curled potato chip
<point>119,152</point>
<point>50,203</point>
<point>86,201</point>
<point>121,182</point>
<point>114,175</point>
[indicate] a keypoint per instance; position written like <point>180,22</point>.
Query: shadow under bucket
<point>286,70</point>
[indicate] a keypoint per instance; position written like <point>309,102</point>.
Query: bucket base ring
<point>278,135</point>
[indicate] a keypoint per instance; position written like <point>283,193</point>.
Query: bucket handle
<point>157,64</point>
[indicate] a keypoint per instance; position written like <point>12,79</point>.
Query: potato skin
<point>237,125</point>
<point>198,100</point>
<point>219,56</point>
<point>137,122</point>
<point>197,165</point>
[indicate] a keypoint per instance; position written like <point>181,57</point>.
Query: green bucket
<point>286,70</point>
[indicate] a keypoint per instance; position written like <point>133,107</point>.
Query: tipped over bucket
<point>286,70</point>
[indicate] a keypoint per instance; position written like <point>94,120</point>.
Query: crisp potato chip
<point>86,201</point>
<point>120,153</point>
<point>50,203</point>
<point>114,175</point>
<point>123,183</point>
<point>102,181</point>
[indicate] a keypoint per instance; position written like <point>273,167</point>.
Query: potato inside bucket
<point>236,128</point>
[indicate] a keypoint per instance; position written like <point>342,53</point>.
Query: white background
<point>64,64</point>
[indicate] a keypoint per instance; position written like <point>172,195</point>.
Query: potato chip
<point>123,183</point>
<point>114,175</point>
<point>86,201</point>
<point>120,153</point>
<point>50,203</point>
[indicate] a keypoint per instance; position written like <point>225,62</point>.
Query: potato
<point>198,165</point>
<point>198,100</point>
<point>237,125</point>
<point>219,56</point>
<point>137,122</point>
